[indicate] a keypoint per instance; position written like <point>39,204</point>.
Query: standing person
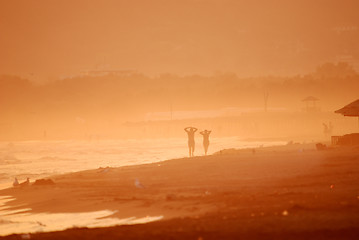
<point>205,135</point>
<point>190,131</point>
<point>326,129</point>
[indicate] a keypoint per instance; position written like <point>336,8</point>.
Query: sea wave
<point>45,158</point>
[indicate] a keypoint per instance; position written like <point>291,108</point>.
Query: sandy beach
<point>283,192</point>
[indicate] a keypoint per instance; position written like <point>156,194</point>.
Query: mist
<point>44,41</point>
<point>124,69</point>
<point>133,105</point>
<point>179,119</point>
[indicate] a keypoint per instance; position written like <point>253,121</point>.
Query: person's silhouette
<point>190,131</point>
<point>326,129</point>
<point>205,135</point>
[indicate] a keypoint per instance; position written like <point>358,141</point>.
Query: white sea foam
<point>21,221</point>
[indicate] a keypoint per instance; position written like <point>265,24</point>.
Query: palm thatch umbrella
<point>310,100</point>
<point>350,110</point>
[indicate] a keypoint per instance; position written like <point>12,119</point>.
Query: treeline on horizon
<point>131,96</point>
<point>104,103</point>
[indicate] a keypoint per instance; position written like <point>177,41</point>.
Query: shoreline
<point>48,158</point>
<point>283,182</point>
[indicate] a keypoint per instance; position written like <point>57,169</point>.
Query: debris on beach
<point>15,183</point>
<point>25,236</point>
<point>321,147</point>
<point>41,182</point>
<point>138,184</point>
<point>104,170</point>
<point>171,197</point>
<point>285,213</point>
<point>41,224</point>
<point>26,183</point>
<point>23,184</point>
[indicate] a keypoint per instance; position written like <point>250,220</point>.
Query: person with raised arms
<point>191,144</point>
<point>205,135</point>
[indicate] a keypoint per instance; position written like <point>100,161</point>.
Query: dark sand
<point>291,192</point>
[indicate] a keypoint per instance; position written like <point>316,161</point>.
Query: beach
<point>281,192</point>
<point>181,119</point>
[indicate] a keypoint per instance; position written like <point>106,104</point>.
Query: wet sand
<point>289,192</point>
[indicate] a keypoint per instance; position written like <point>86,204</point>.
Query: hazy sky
<point>250,38</point>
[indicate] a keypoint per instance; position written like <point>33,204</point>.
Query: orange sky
<point>63,37</point>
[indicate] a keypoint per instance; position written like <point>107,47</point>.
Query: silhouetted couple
<point>191,144</point>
